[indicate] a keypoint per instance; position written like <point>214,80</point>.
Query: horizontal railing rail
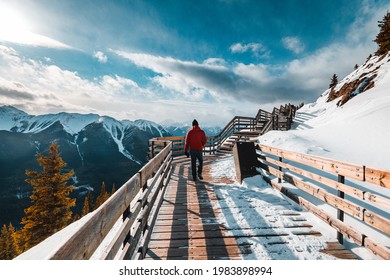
<point>121,227</point>
<point>336,184</point>
<point>279,119</point>
<point>237,124</point>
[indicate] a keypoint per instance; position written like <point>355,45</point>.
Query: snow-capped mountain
<point>181,128</point>
<point>97,148</point>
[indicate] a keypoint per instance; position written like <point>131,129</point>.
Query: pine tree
<point>103,196</point>
<point>383,37</point>
<point>50,211</point>
<point>355,67</point>
<point>113,189</point>
<point>9,248</point>
<point>333,81</point>
<point>88,204</point>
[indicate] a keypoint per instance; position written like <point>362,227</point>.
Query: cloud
<point>293,44</point>
<point>184,77</point>
<point>256,48</point>
<point>100,56</point>
<point>15,94</point>
<point>46,88</point>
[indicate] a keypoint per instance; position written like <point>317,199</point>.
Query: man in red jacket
<point>195,140</point>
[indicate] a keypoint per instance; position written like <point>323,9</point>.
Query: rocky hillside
<point>359,81</point>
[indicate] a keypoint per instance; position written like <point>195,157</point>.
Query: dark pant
<point>196,154</point>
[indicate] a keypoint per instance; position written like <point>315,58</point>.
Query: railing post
<point>280,169</point>
<point>340,213</point>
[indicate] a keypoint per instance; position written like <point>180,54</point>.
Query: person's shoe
<point>200,176</point>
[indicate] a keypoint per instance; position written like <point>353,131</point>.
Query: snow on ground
<point>254,207</point>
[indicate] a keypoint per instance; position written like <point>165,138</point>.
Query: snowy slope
<point>357,132</point>
<point>10,117</point>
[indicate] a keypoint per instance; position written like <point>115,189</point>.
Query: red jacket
<point>195,140</point>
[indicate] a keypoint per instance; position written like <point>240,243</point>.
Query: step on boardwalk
<point>196,222</point>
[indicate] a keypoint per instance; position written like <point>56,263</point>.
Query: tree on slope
<point>9,248</point>
<point>333,81</point>
<point>383,37</point>
<point>103,196</point>
<point>88,205</point>
<point>50,211</point>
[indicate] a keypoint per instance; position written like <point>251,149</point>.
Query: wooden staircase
<point>280,119</point>
<point>240,128</point>
<point>242,136</point>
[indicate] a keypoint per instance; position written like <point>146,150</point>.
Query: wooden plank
<point>117,242</point>
<point>377,221</point>
<point>378,249</point>
<point>378,177</point>
<point>132,244</point>
<point>353,171</point>
<point>209,252</point>
<point>377,199</point>
<point>80,245</point>
<point>156,206</point>
<point>321,179</point>
<point>335,223</point>
<point>170,138</point>
<point>342,204</point>
<point>154,164</point>
<point>223,241</point>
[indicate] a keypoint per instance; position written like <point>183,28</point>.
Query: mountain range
<point>97,148</point>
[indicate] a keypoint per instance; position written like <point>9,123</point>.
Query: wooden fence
<point>243,127</point>
<point>136,203</point>
<point>236,125</point>
<point>333,182</point>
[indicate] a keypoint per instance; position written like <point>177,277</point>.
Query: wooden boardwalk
<point>191,224</point>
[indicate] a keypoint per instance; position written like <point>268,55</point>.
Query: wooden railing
<point>335,183</point>
<point>237,124</point>
<point>279,119</point>
<point>133,207</point>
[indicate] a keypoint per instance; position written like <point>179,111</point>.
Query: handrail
<point>236,124</point>
<point>316,176</point>
<point>133,206</point>
<point>279,119</point>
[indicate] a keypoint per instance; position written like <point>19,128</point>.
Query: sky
<point>177,60</point>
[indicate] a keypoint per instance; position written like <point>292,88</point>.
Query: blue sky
<point>178,60</point>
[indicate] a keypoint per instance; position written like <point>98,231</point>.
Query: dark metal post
<point>280,169</point>
<point>340,213</point>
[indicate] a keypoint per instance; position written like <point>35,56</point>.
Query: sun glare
<point>13,25</point>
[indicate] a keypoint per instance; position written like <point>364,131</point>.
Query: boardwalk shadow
<point>178,245</point>
<point>256,225</point>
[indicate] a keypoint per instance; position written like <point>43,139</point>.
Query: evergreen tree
<point>9,248</point>
<point>50,211</point>
<point>88,204</point>
<point>103,196</point>
<point>383,37</point>
<point>355,67</point>
<point>333,81</point>
<point>113,189</point>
